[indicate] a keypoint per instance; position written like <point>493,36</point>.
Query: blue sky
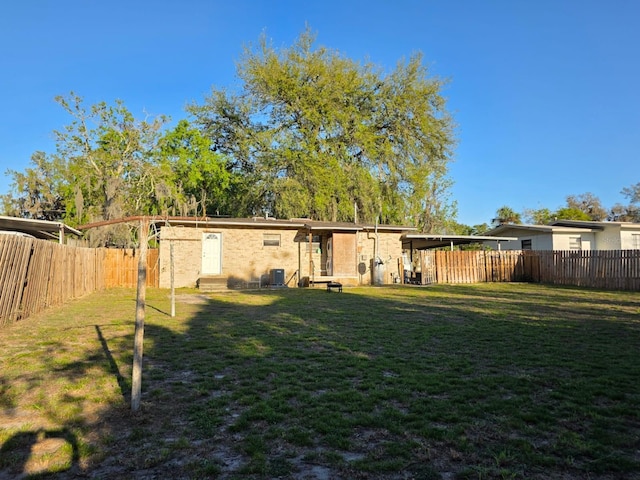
<point>545,93</point>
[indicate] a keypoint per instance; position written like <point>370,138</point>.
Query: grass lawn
<point>444,382</point>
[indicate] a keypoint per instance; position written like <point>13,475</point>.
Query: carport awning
<point>424,241</point>
<point>38,228</point>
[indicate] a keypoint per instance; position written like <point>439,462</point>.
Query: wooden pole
<point>173,289</point>
<point>136,380</point>
<point>311,269</point>
<point>299,265</point>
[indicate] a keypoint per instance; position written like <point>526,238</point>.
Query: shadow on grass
<point>125,387</point>
<point>407,382</point>
<point>23,448</point>
<point>443,382</point>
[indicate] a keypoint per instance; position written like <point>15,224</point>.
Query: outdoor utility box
<point>276,277</point>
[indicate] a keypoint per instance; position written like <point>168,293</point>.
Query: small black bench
<point>332,285</point>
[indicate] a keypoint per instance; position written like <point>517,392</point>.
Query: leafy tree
<point>200,180</point>
<point>103,168</point>
<point>109,157</point>
<point>624,213</point>
<point>462,229</point>
<point>111,170</point>
<point>506,214</point>
<point>571,213</point>
<point>315,133</point>
<point>542,216</point>
<point>631,212</point>
<point>480,229</point>
<point>587,203</point>
<point>37,191</point>
<point>632,193</point>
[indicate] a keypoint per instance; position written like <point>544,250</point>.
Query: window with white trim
<point>635,241</point>
<point>575,243</point>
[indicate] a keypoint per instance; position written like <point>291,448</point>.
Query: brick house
<point>243,252</point>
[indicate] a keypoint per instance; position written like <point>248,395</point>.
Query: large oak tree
<point>320,135</point>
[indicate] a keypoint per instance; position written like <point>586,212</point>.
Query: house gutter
<point>198,221</point>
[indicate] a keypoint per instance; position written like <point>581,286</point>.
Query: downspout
<point>375,245</point>
<point>377,262</point>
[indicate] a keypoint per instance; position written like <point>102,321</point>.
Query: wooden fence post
<point>136,380</point>
<point>173,287</point>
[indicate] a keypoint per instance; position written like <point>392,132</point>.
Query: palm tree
<point>506,215</point>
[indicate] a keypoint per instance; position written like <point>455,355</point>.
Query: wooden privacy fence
<point>475,266</point>
<point>606,269</point>
<point>121,267</point>
<point>36,274</point>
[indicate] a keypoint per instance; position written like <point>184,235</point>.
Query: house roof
<point>423,241</point>
<point>253,222</point>
<point>535,229</point>
<point>315,225</point>
<point>197,222</point>
<point>43,229</point>
<point>594,225</point>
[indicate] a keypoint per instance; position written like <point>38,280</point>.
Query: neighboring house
<point>609,235</point>
<point>268,251</point>
<point>571,235</point>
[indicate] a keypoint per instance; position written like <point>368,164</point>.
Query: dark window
<point>315,243</point>
<point>271,240</point>
<point>526,244</point>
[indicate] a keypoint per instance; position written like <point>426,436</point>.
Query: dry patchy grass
<point>445,382</point>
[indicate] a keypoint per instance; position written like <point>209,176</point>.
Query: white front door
<point>211,253</point>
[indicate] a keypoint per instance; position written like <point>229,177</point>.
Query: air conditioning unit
<point>276,277</point>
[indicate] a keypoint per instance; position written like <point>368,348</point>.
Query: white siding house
<point>571,235</point>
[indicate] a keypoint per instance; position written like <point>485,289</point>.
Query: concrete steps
<point>213,283</point>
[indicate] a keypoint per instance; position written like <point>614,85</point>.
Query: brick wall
<point>246,258</point>
<point>244,255</point>
<point>389,251</point>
